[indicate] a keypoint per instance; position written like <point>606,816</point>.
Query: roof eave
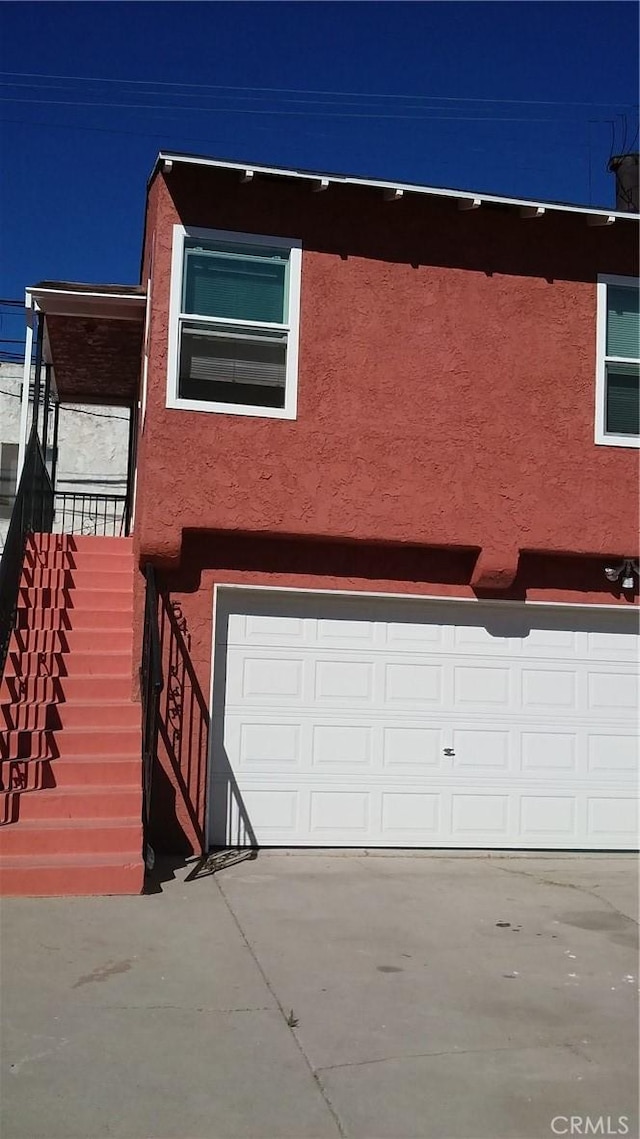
<point>466,199</point>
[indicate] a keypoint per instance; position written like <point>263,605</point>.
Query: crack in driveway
<point>423,1055</point>
<point>286,1016</point>
<point>536,877</point>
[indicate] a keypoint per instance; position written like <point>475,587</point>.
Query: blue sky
<point>519,98</point>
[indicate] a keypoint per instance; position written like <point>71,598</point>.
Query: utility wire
<point>288,114</point>
<point>340,102</point>
<point>303,91</point>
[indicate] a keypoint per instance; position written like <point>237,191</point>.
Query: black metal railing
<point>184,721</point>
<point>32,513</point>
<point>151,685</point>
<point>85,512</point>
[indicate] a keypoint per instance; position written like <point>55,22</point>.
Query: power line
<point>288,114</point>
<point>72,410</point>
<point>338,101</point>
<point>303,91</point>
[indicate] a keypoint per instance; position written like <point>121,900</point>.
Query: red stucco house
<point>384,479</point>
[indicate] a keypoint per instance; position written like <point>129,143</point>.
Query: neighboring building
<point>91,448</point>
<point>10,391</point>
<point>386,472</point>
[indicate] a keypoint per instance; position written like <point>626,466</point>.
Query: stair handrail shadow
<point>32,512</point>
<point>183,721</point>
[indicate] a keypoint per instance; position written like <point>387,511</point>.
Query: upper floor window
<point>618,366</point>
<point>233,337</point>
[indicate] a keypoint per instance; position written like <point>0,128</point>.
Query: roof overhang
<point>393,191</point>
<point>110,302</point>
<point>92,338</point>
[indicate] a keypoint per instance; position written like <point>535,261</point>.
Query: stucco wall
<point>446,383</point>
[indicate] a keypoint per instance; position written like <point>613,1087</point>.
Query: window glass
<point>623,322</point>
<point>247,284</point>
<point>230,365</point>
<point>622,399</point>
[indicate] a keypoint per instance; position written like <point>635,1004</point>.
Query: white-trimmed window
<point>618,364</point>
<point>233,335</point>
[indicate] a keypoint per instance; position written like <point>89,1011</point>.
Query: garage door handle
<point>449,751</point>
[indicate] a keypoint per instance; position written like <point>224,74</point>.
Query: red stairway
<point>70,733</point>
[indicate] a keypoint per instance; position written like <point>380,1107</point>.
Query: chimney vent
<point>625,168</point>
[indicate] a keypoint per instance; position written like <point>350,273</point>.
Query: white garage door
<point>375,722</point>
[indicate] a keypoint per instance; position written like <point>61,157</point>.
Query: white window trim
<point>602,437</point>
<point>291,326</point>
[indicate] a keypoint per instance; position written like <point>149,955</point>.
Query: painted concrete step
<point>78,543</point>
<point>71,875</point>
<point>111,802</point>
<point>76,618</point>
<point>73,741</point>
<point>23,775</point>
<point>71,836</point>
<point>98,577</point>
<point>95,771</point>
<point>67,664</point>
<point>85,560</point>
<point>71,599</point>
<point>20,776</point>
<point>31,689</point>
<point>72,641</point>
<point>70,714</point>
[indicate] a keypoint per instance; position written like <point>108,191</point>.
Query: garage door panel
<point>410,816</point>
<point>340,682</point>
<point>611,818</point>
<point>549,753</point>
<point>476,748</point>
<point>371,721</point>
<point>400,636</point>
<point>261,746</point>
<point>264,630</point>
<point>347,746</point>
<point>480,815</point>
<point>613,692</point>
<point>346,634</point>
<point>613,753</point>
<point>340,812</point>
<point>411,748</point>
<point>611,646</point>
<point>413,684</point>
<point>548,689</point>
<point>482,685</point>
<point>545,817</point>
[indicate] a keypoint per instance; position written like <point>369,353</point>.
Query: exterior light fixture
<point>625,570</point>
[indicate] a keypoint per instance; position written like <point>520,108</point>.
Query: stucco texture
<point>446,382</point>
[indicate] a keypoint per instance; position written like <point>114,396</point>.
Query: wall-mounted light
<point>625,571</point>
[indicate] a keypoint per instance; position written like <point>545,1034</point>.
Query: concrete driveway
<point>303,995</point>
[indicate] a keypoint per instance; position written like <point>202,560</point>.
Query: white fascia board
<point>137,299</point>
<point>102,306</point>
<point>407,187</point>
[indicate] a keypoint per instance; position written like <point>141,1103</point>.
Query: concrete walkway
<point>298,995</point>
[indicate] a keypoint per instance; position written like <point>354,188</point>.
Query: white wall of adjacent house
<point>92,445</point>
